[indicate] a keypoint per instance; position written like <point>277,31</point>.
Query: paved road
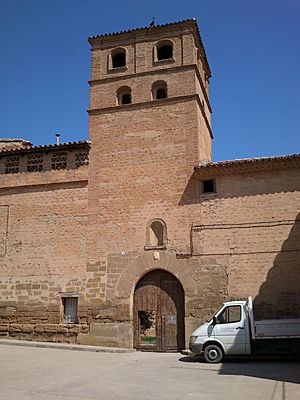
<point>48,374</point>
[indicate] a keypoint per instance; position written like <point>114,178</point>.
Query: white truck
<point>233,331</point>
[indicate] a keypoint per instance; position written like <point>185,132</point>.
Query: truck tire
<point>213,354</point>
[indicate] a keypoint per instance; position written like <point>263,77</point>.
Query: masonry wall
<point>241,241</point>
<point>43,253</point>
<point>251,226</point>
<point>143,156</point>
<point>83,230</point>
<point>220,246</point>
<point>140,174</point>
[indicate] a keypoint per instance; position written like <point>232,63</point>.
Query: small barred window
<point>70,305</point>
<point>59,160</point>
<point>12,165</point>
<point>35,162</point>
<point>82,159</point>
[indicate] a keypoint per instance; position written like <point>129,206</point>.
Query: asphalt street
<point>54,374</point>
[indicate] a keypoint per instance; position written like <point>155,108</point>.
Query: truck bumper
<point>196,348</point>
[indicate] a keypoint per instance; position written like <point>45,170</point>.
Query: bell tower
<point>149,124</point>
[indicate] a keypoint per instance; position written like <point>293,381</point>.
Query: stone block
<point>108,334</point>
<point>39,328</point>
<point>50,328</point>
<point>92,268</point>
<point>84,329</point>
<point>16,328</point>
<point>27,328</point>
<point>3,328</point>
<point>62,330</point>
<point>74,329</point>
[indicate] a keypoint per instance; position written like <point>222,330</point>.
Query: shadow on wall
<point>279,295</point>
<point>282,370</point>
<point>191,194</point>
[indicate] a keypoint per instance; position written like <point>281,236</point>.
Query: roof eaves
<point>241,164</point>
<point>140,29</point>
<point>32,149</point>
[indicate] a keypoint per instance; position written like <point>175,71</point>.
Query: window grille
<point>12,165</point>
<point>35,162</point>
<point>70,310</point>
<point>59,160</point>
<point>82,159</point>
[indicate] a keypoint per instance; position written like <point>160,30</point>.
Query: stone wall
<point>252,225</point>
<point>241,241</point>
<point>43,253</point>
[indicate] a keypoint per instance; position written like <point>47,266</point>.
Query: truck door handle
<point>240,327</point>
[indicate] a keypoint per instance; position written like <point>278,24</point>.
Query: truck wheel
<point>213,354</point>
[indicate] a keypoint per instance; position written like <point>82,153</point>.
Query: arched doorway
<point>159,312</point>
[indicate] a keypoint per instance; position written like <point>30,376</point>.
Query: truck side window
<point>229,315</point>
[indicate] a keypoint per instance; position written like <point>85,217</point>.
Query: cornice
<point>152,104</point>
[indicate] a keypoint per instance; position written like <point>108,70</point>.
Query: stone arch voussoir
<point>151,260</point>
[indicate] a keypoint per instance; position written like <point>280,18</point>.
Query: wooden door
<point>159,313</point>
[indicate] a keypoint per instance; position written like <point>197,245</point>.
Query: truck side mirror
<point>214,320</point>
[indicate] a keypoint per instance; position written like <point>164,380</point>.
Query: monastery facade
<point>134,238</point>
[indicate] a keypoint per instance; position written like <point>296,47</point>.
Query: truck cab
<point>228,332</point>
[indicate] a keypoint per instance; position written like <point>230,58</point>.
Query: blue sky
<point>253,48</point>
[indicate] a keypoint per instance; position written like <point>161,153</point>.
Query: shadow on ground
<point>276,368</point>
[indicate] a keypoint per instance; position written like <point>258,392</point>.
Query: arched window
<point>118,58</point>
<point>159,90</point>
<point>124,95</point>
<point>156,234</point>
<point>164,50</point>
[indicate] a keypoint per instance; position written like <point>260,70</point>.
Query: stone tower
<point>149,125</point>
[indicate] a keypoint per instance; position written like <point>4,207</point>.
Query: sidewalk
<point>64,346</point>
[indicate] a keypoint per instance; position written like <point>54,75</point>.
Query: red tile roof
<point>47,147</point>
<point>246,164</point>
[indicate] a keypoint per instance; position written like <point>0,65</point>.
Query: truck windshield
<point>216,313</point>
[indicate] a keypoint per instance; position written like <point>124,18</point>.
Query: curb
<point>64,346</point>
